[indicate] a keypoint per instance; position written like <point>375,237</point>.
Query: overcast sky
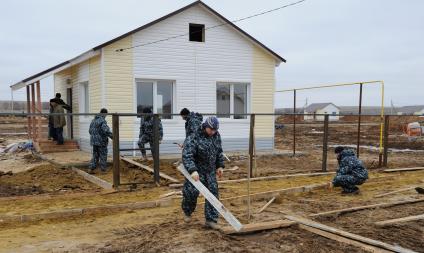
<point>323,41</point>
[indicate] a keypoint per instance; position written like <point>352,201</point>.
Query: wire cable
<point>212,27</point>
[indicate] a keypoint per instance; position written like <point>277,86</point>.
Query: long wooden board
<point>358,208</point>
<point>276,177</point>
<point>228,216</point>
<point>394,192</point>
<point>355,237</point>
<point>260,226</point>
<point>266,205</point>
<point>404,169</point>
<point>342,239</point>
<point>93,179</point>
<point>162,175</point>
<point>399,220</point>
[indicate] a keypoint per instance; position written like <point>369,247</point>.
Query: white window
<point>84,98</point>
<point>157,95</point>
<point>232,98</point>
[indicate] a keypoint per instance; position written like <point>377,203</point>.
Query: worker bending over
<point>146,132</point>
<point>203,159</point>
<point>351,171</point>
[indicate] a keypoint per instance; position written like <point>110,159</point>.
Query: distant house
<point>218,71</point>
<point>314,112</point>
<point>411,110</point>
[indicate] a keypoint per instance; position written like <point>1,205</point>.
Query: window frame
<point>155,90</point>
<point>248,98</point>
<point>84,99</point>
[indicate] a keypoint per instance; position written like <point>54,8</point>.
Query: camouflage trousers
<point>347,182</point>
<point>190,194</point>
<point>99,157</point>
<point>142,144</point>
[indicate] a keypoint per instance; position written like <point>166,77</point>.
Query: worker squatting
<point>202,156</point>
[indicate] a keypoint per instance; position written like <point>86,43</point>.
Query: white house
<point>411,110</point>
<point>314,112</point>
<point>212,67</point>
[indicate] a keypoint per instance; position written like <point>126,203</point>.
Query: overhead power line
<point>212,27</point>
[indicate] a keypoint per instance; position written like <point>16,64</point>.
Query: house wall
<point>419,112</point>
<point>329,109</point>
<point>225,56</point>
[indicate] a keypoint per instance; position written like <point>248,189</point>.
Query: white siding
<point>196,67</point>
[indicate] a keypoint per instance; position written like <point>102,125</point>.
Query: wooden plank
<point>404,169</point>
<point>342,239</point>
<point>93,179</point>
<point>276,177</point>
<point>345,234</point>
<point>358,208</point>
<point>228,216</point>
<point>266,205</point>
<point>162,175</point>
<point>394,192</point>
<point>399,220</point>
<point>260,226</point>
<point>115,149</point>
<point>170,194</point>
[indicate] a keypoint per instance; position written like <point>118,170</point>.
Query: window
<point>197,32</point>
<point>84,98</point>
<point>156,95</point>
<point>334,113</point>
<point>231,98</point>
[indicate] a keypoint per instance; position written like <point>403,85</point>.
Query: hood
<point>99,117</point>
<point>347,152</point>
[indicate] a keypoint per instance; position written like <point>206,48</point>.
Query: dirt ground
<point>41,187</point>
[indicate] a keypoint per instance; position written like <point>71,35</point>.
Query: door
<point>70,127</point>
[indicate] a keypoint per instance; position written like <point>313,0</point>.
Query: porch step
<point>49,146</point>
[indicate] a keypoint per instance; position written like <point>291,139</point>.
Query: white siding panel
<point>196,67</point>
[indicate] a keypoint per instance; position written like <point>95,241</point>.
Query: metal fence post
<point>359,120</point>
<point>251,157</point>
<point>386,139</point>
<point>155,148</point>
<point>115,146</point>
<point>294,123</point>
<point>325,143</point>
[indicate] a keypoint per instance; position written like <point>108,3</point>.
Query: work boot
<point>353,192</point>
<point>420,190</point>
<point>212,225</point>
<point>187,218</point>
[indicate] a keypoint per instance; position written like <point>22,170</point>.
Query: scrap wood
<point>394,192</point>
<point>399,220</point>
<point>170,194</point>
<point>260,226</point>
<point>358,208</point>
<point>93,179</point>
<point>162,175</point>
<point>266,205</point>
<point>342,239</point>
<point>232,168</point>
<point>345,234</point>
<point>276,177</point>
<point>403,169</point>
<point>228,216</point>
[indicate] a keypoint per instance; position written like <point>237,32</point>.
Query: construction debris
<point>399,220</point>
<point>397,191</point>
<point>266,205</point>
<point>260,226</point>
<point>345,234</point>
<point>404,169</point>
<point>162,175</point>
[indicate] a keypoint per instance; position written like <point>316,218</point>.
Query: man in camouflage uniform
<point>99,134</point>
<point>203,159</point>
<point>146,132</point>
<point>193,121</point>
<point>351,171</point>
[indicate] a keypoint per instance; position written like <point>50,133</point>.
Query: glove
<point>220,172</point>
<point>195,176</point>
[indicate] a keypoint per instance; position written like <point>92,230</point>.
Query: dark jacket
<point>58,120</point>
<point>99,131</point>
<point>203,153</point>
<point>146,128</point>
<point>193,122</point>
<point>349,164</point>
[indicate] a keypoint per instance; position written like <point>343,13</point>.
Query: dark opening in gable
<point>197,32</point>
